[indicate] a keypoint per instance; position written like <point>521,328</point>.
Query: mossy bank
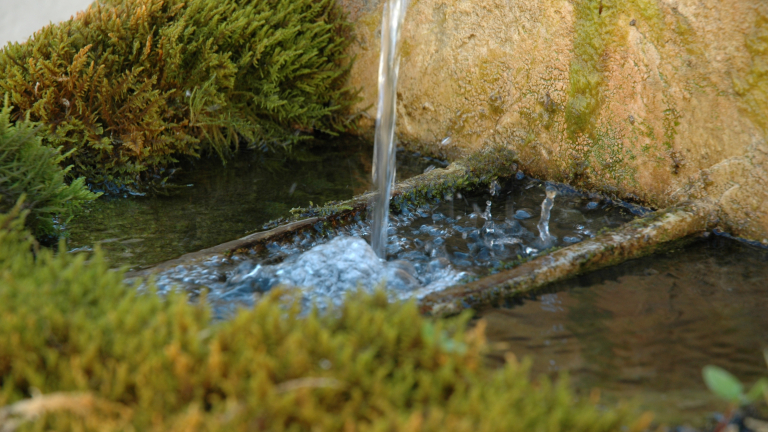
<point>134,85</point>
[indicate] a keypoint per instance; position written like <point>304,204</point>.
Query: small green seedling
<point>723,384</point>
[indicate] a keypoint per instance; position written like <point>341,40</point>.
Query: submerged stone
<point>522,214</point>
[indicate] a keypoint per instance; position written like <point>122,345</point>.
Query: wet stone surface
<point>430,247</point>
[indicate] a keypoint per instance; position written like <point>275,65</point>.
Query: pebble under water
<point>430,247</point>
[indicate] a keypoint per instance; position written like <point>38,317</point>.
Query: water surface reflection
<point>646,328</point>
<point>218,203</point>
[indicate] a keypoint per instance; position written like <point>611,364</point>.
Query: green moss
<point>596,147</point>
<point>31,172</point>
<point>599,25</point>
<point>608,155</point>
<point>650,19</point>
<point>592,30</point>
<point>371,21</point>
<point>671,122</point>
<point>752,86</point>
<point>146,363</point>
<point>132,85</point>
<point>405,49</point>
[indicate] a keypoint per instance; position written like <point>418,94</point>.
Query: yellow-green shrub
<point>132,84</point>
<point>32,170</point>
<point>70,325</point>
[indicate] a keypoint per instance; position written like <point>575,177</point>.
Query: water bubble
<point>487,213</point>
<point>547,240</point>
<point>522,214</point>
<point>494,188</point>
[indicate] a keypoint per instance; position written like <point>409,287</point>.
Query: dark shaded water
<point>645,328</point>
<point>222,203</point>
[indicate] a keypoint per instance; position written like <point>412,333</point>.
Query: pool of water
<point>215,203</point>
<point>644,329</point>
<point>430,247</point>
<point>640,330</point>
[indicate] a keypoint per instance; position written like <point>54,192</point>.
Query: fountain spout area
<point>547,240</point>
<point>384,148</point>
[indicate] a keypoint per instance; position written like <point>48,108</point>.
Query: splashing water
<point>384,149</point>
<point>546,207</point>
<point>429,247</point>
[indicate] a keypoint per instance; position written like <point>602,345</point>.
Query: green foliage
<point>134,84</point>
<point>31,170</point>
<point>591,32</point>
<point>722,383</point>
<point>144,363</point>
<point>726,386</point>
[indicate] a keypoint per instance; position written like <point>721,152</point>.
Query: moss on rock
<point>132,85</point>
<point>752,86</point>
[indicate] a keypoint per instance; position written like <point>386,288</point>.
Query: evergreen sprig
<point>31,173</point>
<point>133,84</point>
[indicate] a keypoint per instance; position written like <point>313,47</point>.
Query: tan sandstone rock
<point>658,100</point>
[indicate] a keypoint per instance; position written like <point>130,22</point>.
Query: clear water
<point>384,144</point>
<point>221,203</point>
<point>645,328</point>
<point>483,231</point>
<point>641,330</point>
<point>429,247</point>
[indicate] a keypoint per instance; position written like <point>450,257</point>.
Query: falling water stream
<point>384,146</point>
<point>441,252</point>
<point>545,237</point>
